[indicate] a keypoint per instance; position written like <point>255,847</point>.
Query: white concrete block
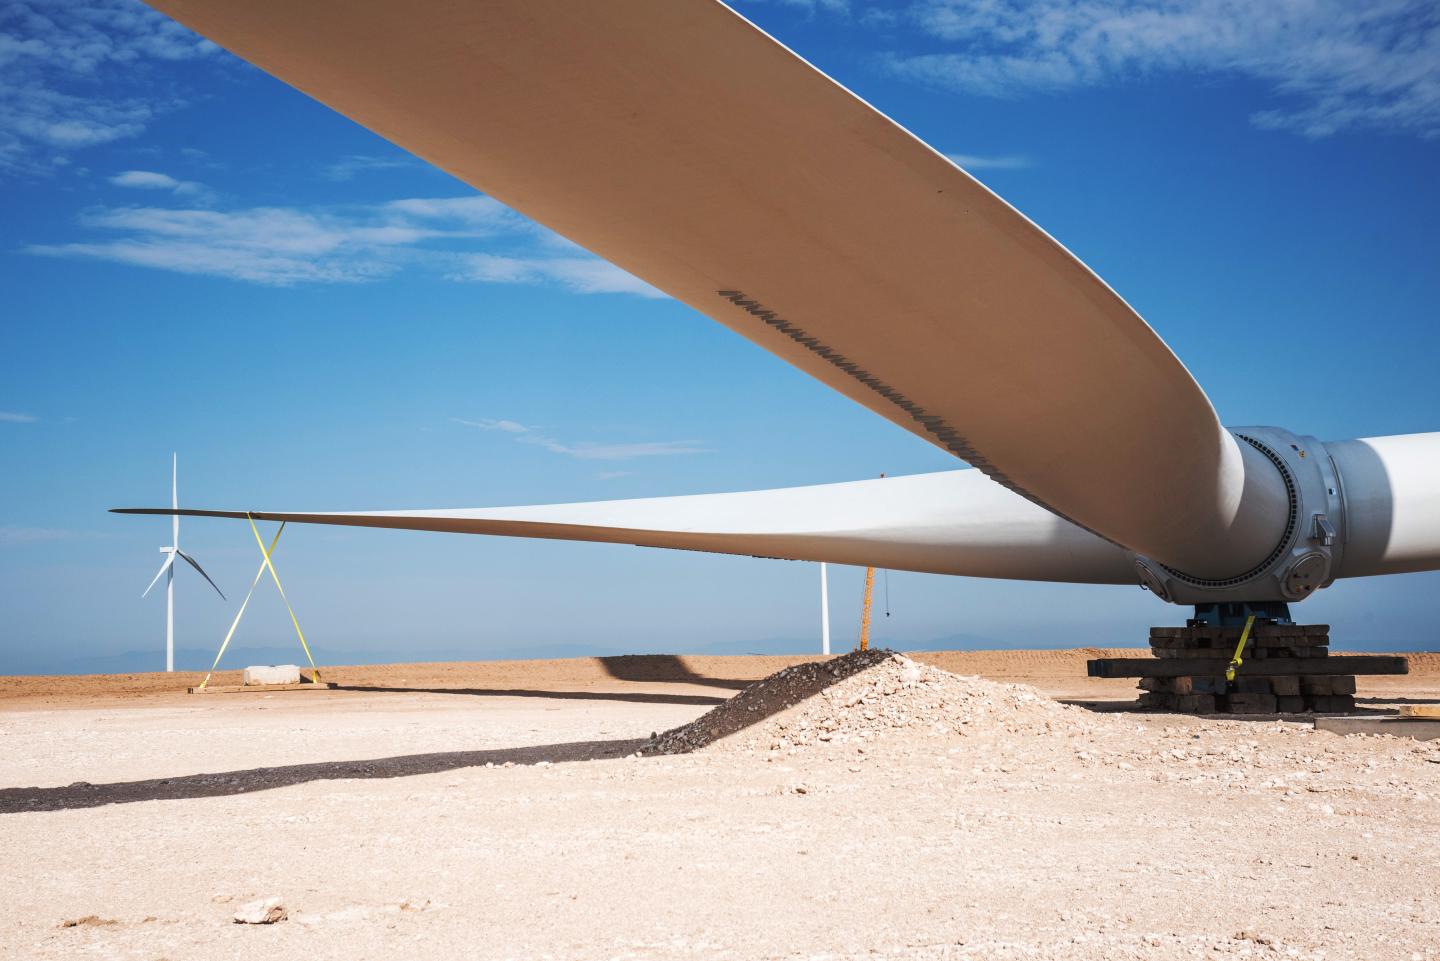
<point>272,674</point>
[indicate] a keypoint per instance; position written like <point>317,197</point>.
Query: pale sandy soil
<point>374,816</point>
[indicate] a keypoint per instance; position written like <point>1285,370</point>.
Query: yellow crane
<point>865,610</point>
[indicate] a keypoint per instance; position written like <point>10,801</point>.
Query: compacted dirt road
<point>522,810</point>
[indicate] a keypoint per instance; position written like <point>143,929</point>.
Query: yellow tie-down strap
<point>265,559</point>
<point>265,564</point>
<point>1237,660</point>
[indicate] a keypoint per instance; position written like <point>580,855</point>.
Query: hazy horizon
<point>198,659</point>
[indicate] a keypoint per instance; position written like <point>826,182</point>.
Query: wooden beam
<point>1210,666</point>
<point>261,688</point>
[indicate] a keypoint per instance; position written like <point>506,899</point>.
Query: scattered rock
<point>263,911</point>
<point>89,921</point>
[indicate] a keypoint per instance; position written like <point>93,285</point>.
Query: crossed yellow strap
<point>265,565</point>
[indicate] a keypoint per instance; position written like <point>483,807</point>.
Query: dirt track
<point>387,819</point>
<point>1059,673</point>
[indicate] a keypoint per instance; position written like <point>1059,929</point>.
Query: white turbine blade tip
<point>196,564</point>
<point>170,559</point>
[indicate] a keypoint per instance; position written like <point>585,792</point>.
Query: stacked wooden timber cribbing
<point>1254,691</point>
<point>1286,668</point>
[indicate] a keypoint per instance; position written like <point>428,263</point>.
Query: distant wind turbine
<point>168,568</point>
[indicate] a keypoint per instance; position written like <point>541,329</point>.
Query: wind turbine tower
<point>168,568</point>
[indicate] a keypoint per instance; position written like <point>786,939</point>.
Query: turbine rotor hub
<point>1308,554</point>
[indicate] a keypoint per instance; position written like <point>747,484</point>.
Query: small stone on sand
<point>263,911</point>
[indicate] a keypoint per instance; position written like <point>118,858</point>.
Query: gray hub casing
<point>1309,552</point>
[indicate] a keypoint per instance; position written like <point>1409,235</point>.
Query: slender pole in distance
<point>865,611</point>
<point>824,610</point>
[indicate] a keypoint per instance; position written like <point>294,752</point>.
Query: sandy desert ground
<point>518,810</point>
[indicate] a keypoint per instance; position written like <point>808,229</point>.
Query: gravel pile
<point>866,695</point>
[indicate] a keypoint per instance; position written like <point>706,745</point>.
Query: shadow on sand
<point>633,668</point>
<point>664,668</point>
<point>84,795</point>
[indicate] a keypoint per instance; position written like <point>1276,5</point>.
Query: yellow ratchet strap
<point>1235,661</point>
<point>265,555</point>
<point>243,604</point>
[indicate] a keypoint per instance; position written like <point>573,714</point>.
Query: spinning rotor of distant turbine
<point>686,146</point>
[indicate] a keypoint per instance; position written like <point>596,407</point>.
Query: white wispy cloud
<point>585,275</point>
<point>1332,64</point>
<point>585,450</point>
<point>153,180</point>
<point>812,6</point>
<point>348,167</point>
<point>474,211</point>
<point>284,246</point>
<point>972,161</point>
<point>68,78</point>
<point>508,426</point>
<point>273,246</point>
<point>10,417</point>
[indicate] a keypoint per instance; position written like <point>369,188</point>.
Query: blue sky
<point>194,257</point>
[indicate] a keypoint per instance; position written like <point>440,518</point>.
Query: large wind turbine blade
<point>169,560</point>
<point>196,564</point>
<point>958,522</point>
<point>677,140</point>
<point>175,500</point>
